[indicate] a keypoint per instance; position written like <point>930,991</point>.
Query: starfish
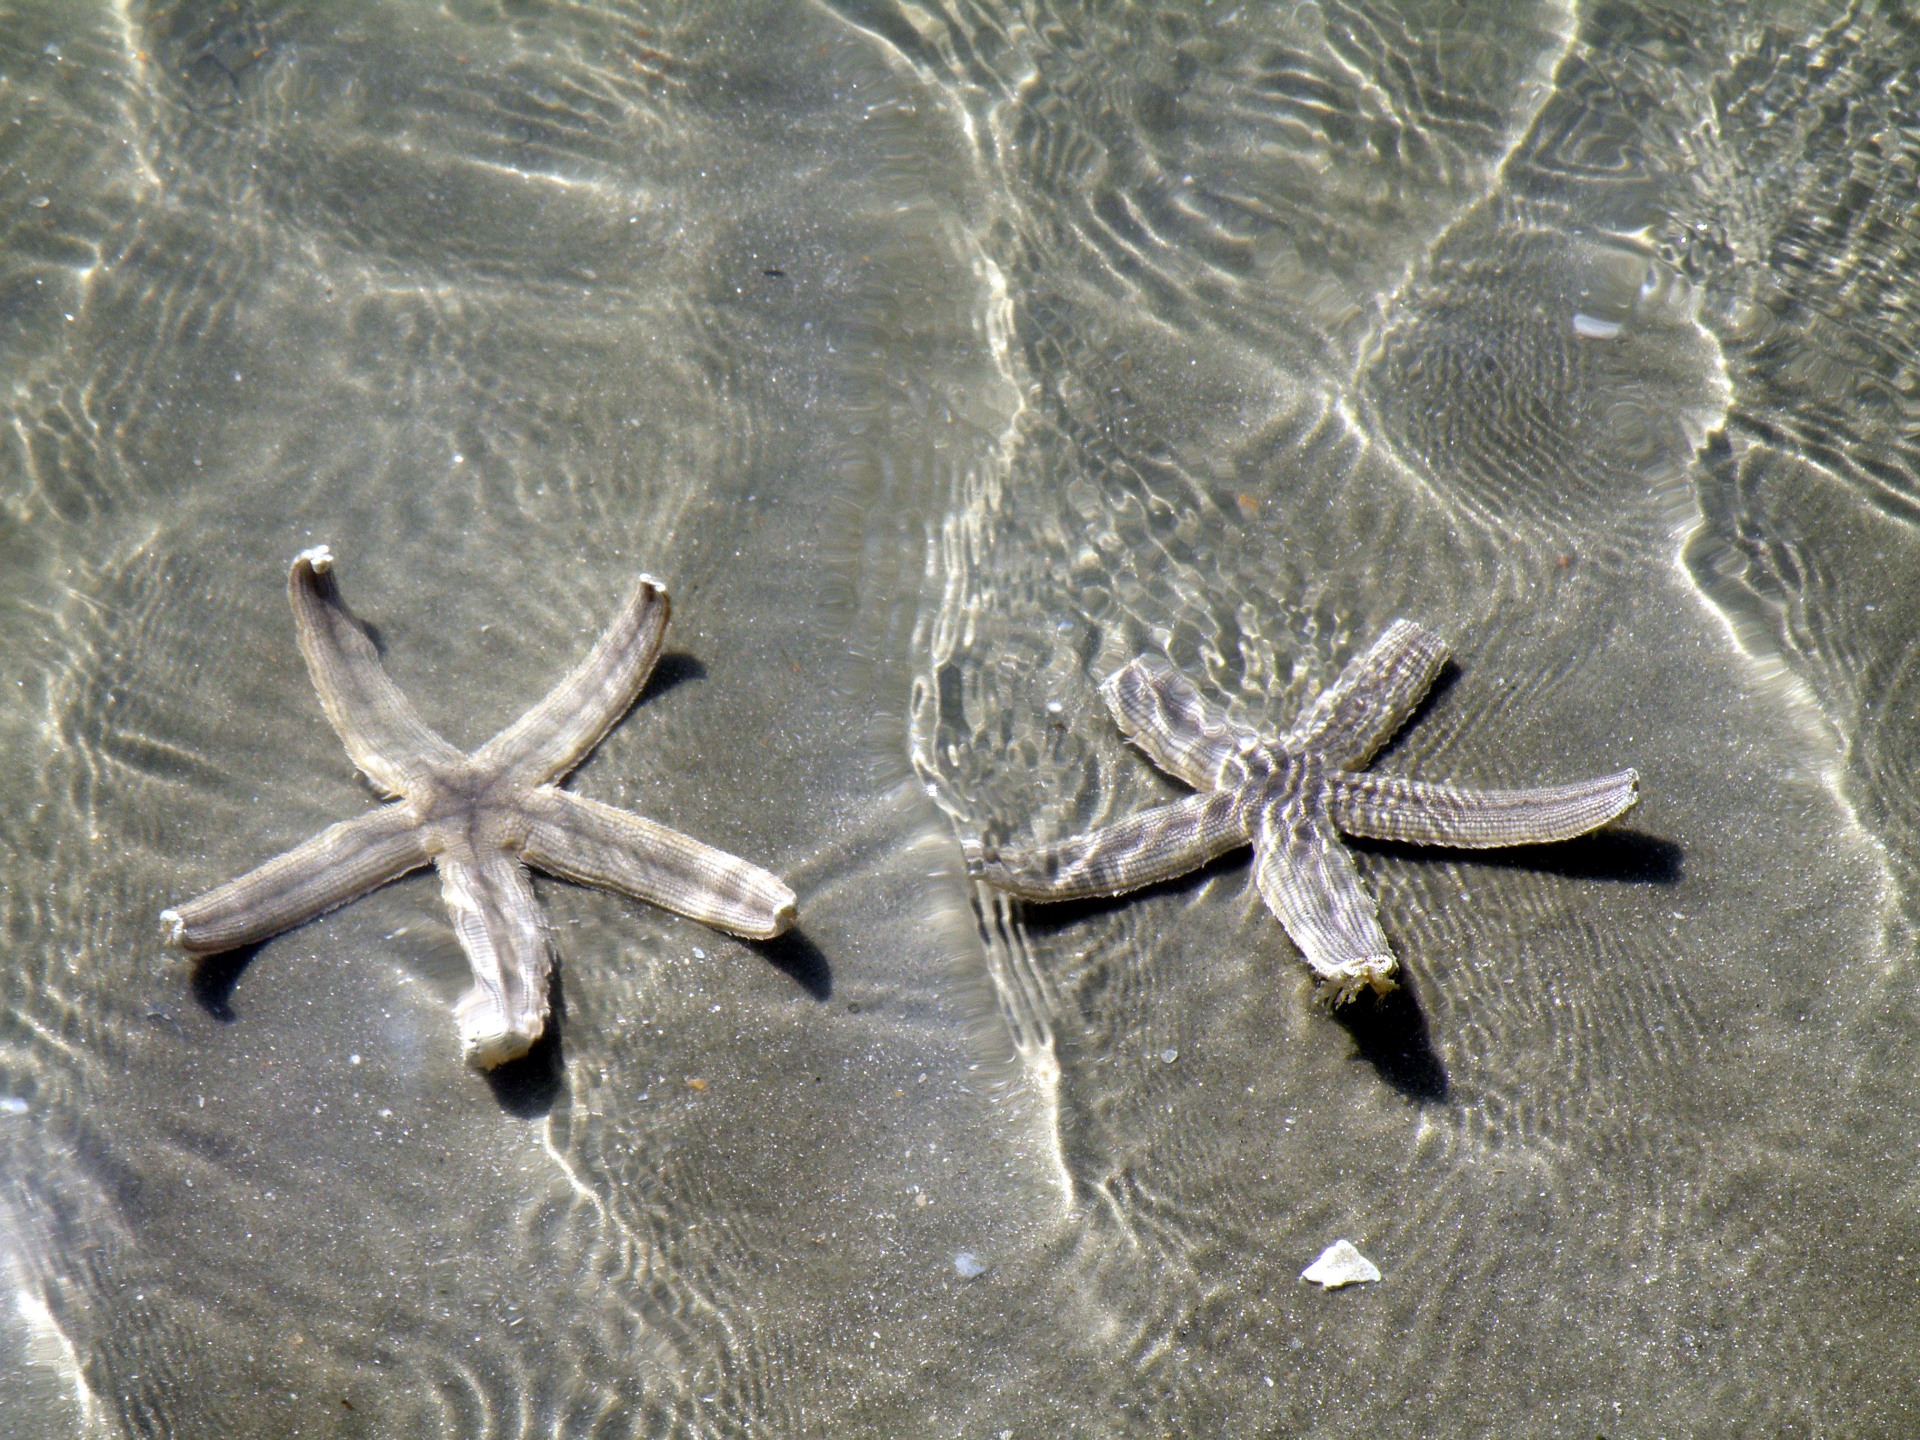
<point>480,820</point>
<point>1291,798</point>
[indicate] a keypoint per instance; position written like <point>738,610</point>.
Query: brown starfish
<point>1291,798</point>
<point>480,820</point>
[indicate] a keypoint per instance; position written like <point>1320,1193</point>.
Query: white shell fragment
<point>1340,1264</point>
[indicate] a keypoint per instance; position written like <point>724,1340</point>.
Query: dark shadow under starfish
<point>1292,798</point>
<point>480,820</point>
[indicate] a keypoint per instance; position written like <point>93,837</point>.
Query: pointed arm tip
<point>785,914</point>
<point>1341,984</point>
<point>173,930</point>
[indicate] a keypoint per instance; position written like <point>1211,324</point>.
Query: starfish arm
<point>1143,849</point>
<point>593,844</point>
<point>341,863</point>
<point>1358,713</point>
<point>1387,807</point>
<point>1309,882</point>
<point>559,732</point>
<point>386,739</point>
<point>498,923</point>
<point>1163,712</point>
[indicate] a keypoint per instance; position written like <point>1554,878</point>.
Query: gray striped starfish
<point>1291,799</point>
<point>480,820</point>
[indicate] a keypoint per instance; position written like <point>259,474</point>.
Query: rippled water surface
<point>941,356</point>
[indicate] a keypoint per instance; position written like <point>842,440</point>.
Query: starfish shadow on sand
<point>479,819</point>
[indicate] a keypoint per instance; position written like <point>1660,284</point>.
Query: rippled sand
<point>941,357</point>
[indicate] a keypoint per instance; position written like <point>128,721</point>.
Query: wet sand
<point>940,359</point>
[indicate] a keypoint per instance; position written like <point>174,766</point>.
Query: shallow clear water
<point>940,357</point>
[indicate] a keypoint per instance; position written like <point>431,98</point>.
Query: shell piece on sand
<point>1340,1264</point>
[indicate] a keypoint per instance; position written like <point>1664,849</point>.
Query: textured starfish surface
<point>1291,798</point>
<point>480,820</point>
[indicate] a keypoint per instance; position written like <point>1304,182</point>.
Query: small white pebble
<point>1340,1264</point>
<point>13,1105</point>
<point>1169,1055</point>
<point>969,1266</point>
<point>1590,327</point>
<point>698,953</point>
<point>353,1059</point>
